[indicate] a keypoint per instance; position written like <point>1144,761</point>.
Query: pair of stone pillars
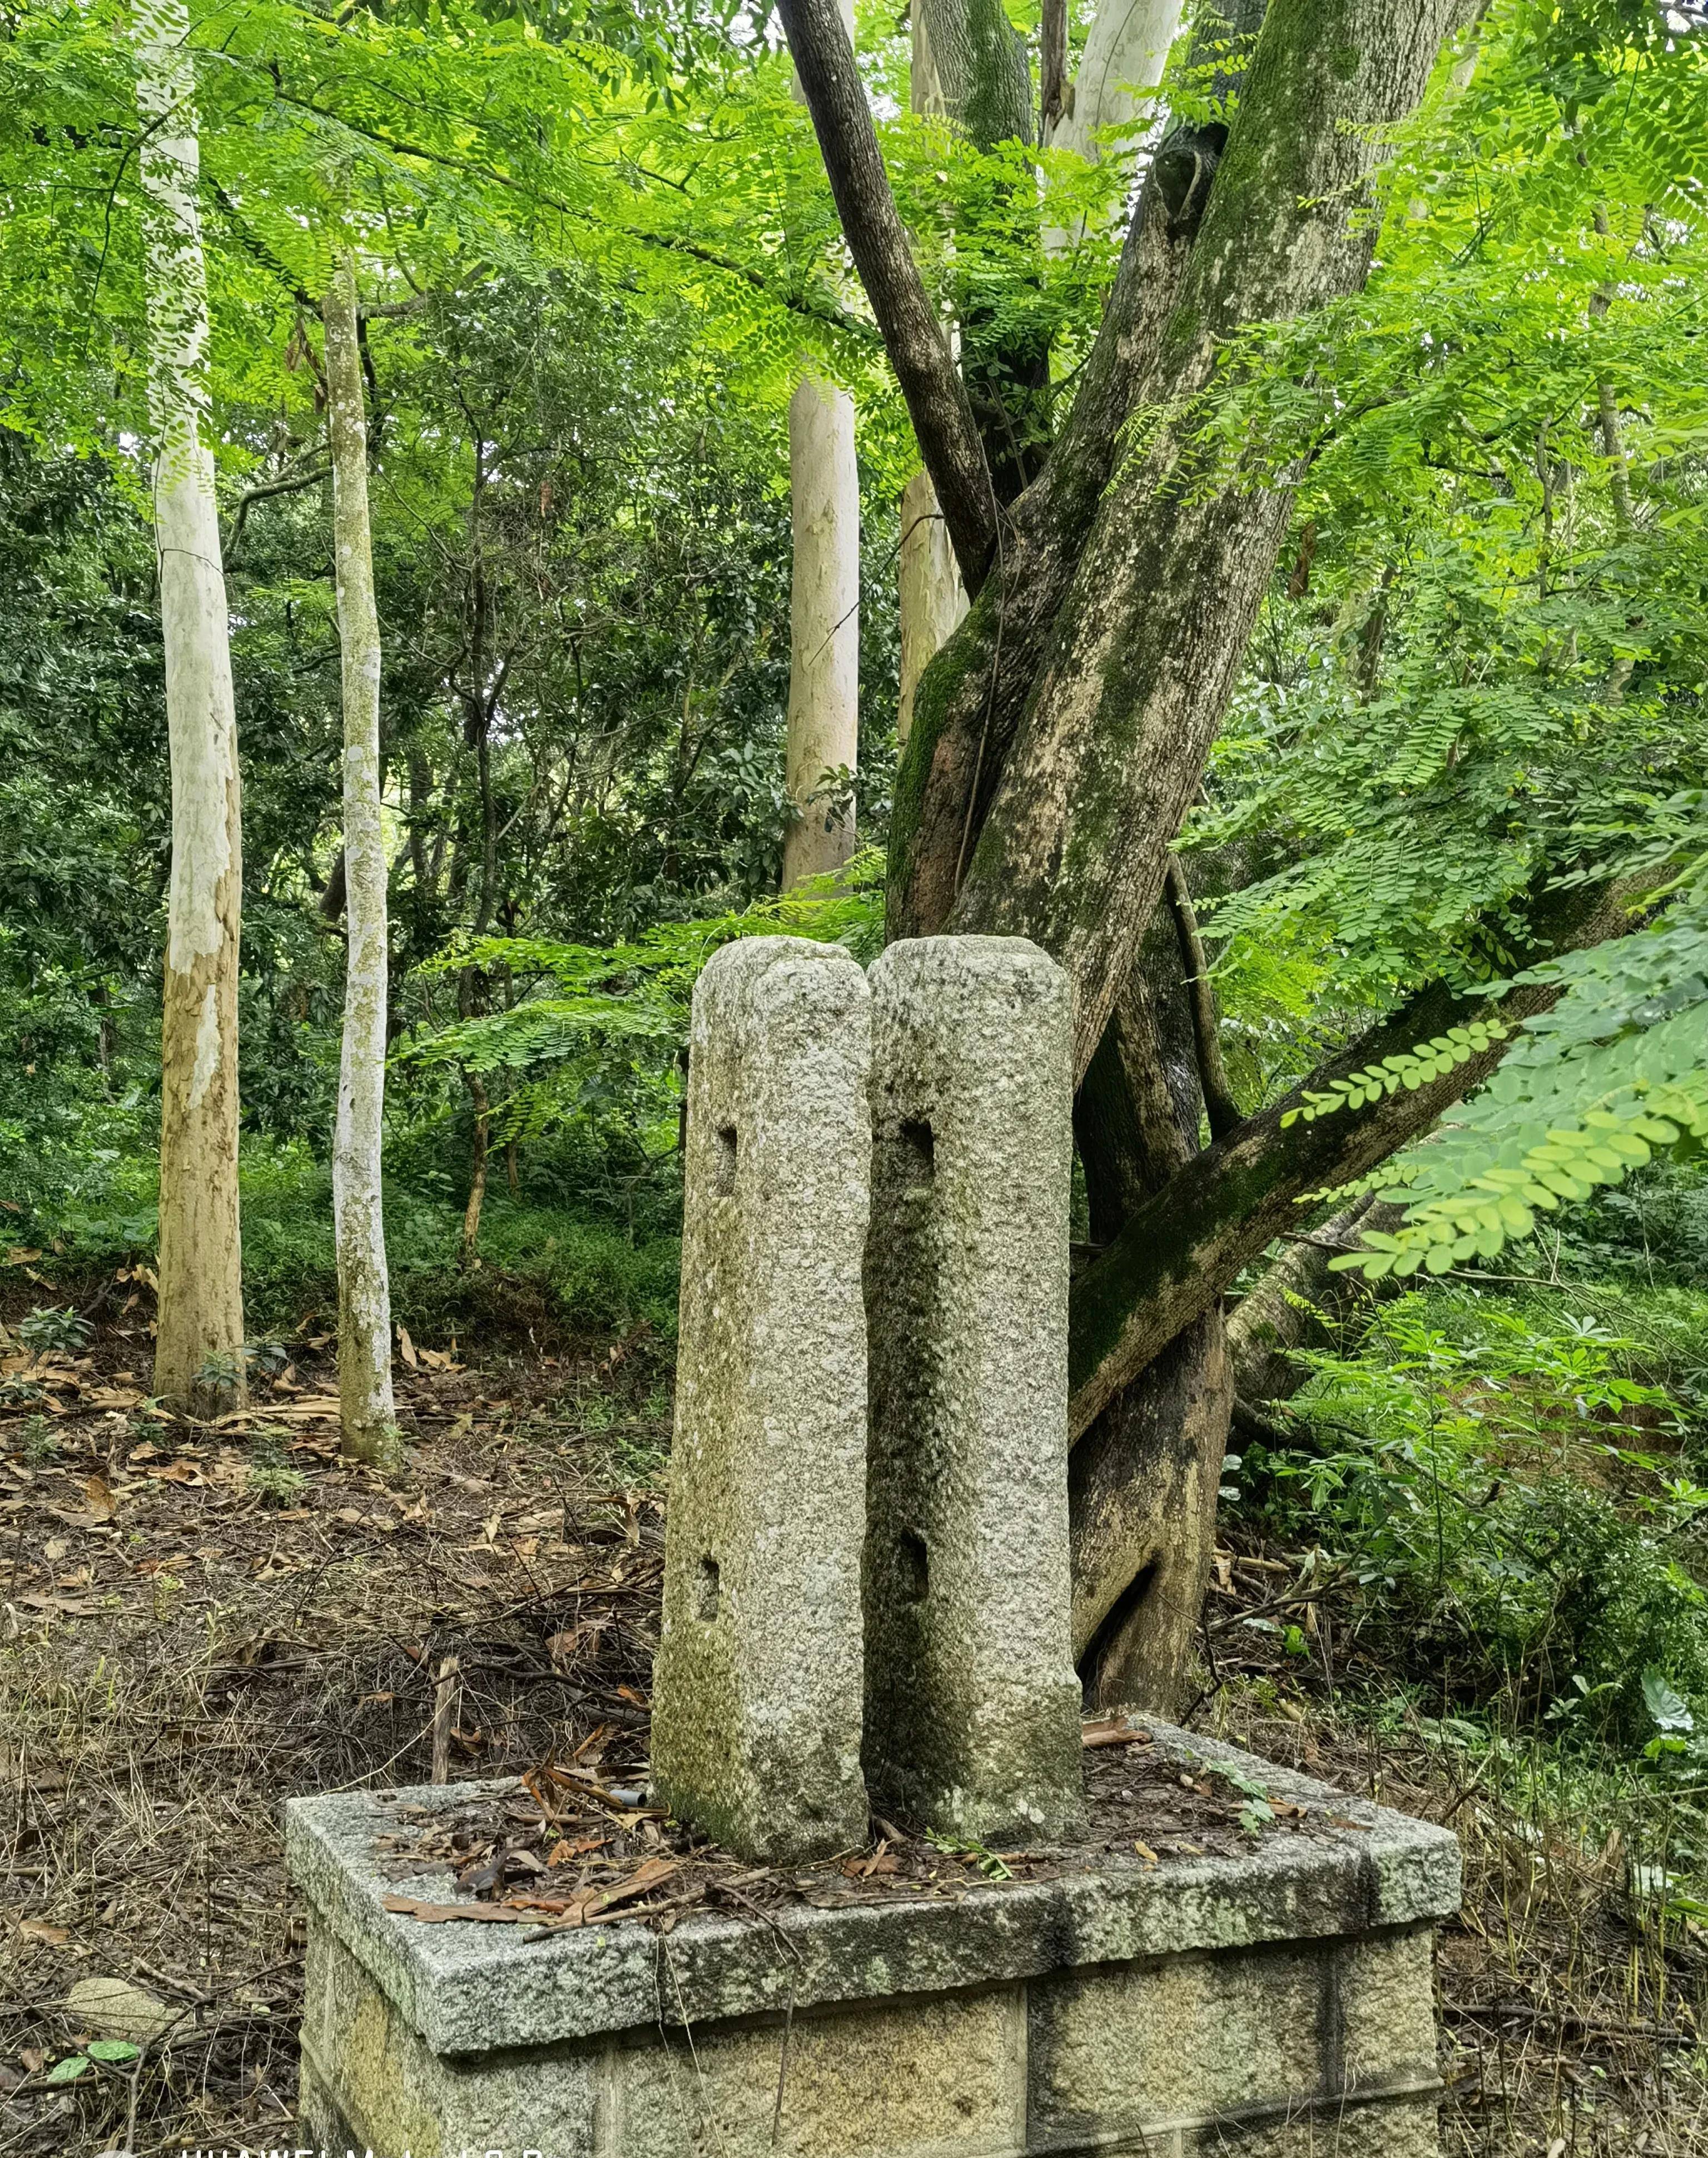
<point>866,1586</point>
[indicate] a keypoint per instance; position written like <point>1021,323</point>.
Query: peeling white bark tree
<point>824,627</point>
<point>824,621</point>
<point>198,1350</point>
<point>368,1421</point>
<point>1125,51</point>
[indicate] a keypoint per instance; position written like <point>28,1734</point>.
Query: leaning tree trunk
<point>1143,1480</point>
<point>198,1350</point>
<point>824,629</point>
<point>368,1420</point>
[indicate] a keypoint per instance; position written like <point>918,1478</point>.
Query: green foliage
<point>596,1034</point>
<point>50,1327</point>
<point>1411,1069</point>
<point>1509,1505</point>
<point>1616,1070</point>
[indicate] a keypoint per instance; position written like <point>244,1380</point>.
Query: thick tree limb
<point>971,698</point>
<point>1177,1254</point>
<point>935,395</point>
<point>1147,643</point>
<point>1052,65</point>
<point>982,68</point>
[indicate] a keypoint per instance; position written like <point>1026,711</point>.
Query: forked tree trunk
<point>1060,734</point>
<point>199,1351</point>
<point>824,628</point>
<point>366,1412</point>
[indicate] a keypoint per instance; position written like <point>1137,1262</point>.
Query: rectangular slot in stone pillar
<point>757,1686</point>
<point>973,1709</point>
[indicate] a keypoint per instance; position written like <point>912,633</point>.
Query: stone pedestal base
<point>1277,2005</point>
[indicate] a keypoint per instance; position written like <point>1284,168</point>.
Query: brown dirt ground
<point>184,1643</point>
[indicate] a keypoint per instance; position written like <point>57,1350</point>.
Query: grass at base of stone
<point>1573,2011</point>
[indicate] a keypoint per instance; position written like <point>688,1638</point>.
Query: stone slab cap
<point>466,1993</point>
<point>757,1686</point>
<point>973,1707</point>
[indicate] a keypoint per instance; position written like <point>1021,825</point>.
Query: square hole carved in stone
<point>724,1161</point>
<point>916,1147</point>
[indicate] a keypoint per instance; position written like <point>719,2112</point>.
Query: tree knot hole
<point>708,1593</point>
<point>914,1566</point>
<point>723,1162</point>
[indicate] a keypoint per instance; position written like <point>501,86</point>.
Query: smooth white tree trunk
<point>933,598</point>
<point>824,627</point>
<point>198,1350</point>
<point>824,621</point>
<point>368,1417</point>
<point>1125,51</point>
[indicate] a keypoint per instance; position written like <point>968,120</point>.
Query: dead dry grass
<point>173,1667</point>
<point>179,1650</point>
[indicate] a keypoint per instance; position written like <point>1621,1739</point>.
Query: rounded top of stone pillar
<point>946,960</point>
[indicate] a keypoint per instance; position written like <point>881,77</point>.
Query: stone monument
<point>756,1691</point>
<point>972,1708</point>
<point>884,1170</point>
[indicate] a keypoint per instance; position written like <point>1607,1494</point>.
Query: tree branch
<point>935,395</point>
<point>1219,1106</point>
<point>1052,65</point>
<point>1178,1252</point>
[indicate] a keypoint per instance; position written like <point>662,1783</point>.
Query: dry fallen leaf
<point>102,1502</point>
<point>406,1348</point>
<point>1114,1731</point>
<point>41,1929</point>
<point>563,1851</point>
<point>438,1914</point>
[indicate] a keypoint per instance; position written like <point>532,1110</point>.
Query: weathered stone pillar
<point>757,1686</point>
<point>971,1703</point>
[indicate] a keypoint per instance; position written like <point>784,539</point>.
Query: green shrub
<point>1508,1503</point>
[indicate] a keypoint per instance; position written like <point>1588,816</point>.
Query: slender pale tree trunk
<point>365,1290</point>
<point>199,1352</point>
<point>824,621</point>
<point>933,597</point>
<point>824,627</point>
<point>1127,48</point>
<point>477,1172</point>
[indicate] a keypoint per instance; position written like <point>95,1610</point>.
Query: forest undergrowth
<point>201,1621</point>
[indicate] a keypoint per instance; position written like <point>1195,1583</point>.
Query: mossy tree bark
<point>198,1350</point>
<point>367,1415</point>
<point>1060,733</point>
